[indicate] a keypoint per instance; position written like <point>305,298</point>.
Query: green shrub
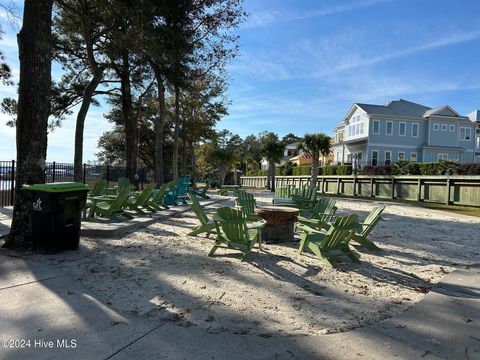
<point>400,168</point>
<point>413,168</point>
<point>330,170</point>
<point>262,173</point>
<point>301,170</point>
<point>344,170</point>
<point>429,168</point>
<point>448,167</point>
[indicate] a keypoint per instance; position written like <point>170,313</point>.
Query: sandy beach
<point>163,273</point>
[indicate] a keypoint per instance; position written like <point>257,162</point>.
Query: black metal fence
<point>60,172</point>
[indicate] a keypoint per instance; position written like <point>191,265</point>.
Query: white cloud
<point>348,50</point>
<point>265,18</point>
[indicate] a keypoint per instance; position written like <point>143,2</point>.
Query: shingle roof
<point>397,107</point>
<point>433,111</point>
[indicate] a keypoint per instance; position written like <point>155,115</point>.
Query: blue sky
<point>303,63</point>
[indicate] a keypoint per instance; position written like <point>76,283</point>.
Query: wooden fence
<point>457,190</point>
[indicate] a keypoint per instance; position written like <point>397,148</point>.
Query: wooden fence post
<point>448,191</point>
<point>419,189</point>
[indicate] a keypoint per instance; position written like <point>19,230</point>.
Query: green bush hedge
<point>344,170</point>
<point>301,170</point>
<point>403,167</point>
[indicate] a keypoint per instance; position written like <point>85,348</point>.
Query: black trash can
<point>56,214</point>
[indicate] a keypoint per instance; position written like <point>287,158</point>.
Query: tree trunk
<point>175,133</point>
<point>314,170</point>
<point>268,176</point>
<point>88,92</point>
<point>222,174</point>
<point>272,176</point>
<point>159,127</point>
<point>235,178</point>
<point>183,160</point>
<point>80,124</point>
<point>194,165</point>
<point>131,122</point>
<point>35,54</point>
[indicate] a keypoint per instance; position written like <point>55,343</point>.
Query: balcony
<point>356,132</point>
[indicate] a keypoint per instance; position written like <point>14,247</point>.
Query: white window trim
<point>418,129</point>
<point>385,159</point>
<point>416,156</point>
<point>373,127</point>
<point>442,156</point>
<point>436,126</point>
<point>450,128</point>
<point>378,156</point>
<point>386,128</point>
<point>470,133</point>
<point>446,127</point>
<point>400,126</point>
<point>398,155</point>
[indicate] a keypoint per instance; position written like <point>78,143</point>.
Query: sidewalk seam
<point>133,342</point>
<point>32,282</point>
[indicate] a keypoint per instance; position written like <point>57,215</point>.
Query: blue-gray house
<point>383,134</point>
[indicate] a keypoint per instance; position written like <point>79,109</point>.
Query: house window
<point>291,152</point>
<point>444,127</point>
<point>388,157</point>
<point>442,157</point>
<point>402,129</point>
<point>401,155</point>
<point>413,157</point>
<point>414,129</point>
<point>465,133</point>
<point>389,128</point>
<point>374,157</point>
<point>436,126</point>
<point>451,128</point>
<point>376,127</point>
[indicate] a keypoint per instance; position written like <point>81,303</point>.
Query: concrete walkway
<point>46,314</point>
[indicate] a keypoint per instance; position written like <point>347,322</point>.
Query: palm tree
<point>272,149</point>
<point>224,160</point>
<point>314,145</point>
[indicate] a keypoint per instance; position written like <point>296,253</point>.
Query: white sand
<point>163,273</point>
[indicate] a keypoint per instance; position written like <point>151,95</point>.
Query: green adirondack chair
<point>140,200</point>
<point>308,200</point>
<point>123,181</point>
<point>242,194</point>
<point>206,225</point>
<point>322,213</point>
<point>112,208</point>
<point>202,191</point>
<point>367,226</point>
<point>233,232</point>
<point>332,243</point>
<point>156,200</point>
<point>98,188</point>
<point>247,204</point>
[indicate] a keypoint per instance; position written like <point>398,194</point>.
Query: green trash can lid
<point>57,187</point>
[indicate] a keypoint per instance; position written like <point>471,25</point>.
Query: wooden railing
<point>457,190</point>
